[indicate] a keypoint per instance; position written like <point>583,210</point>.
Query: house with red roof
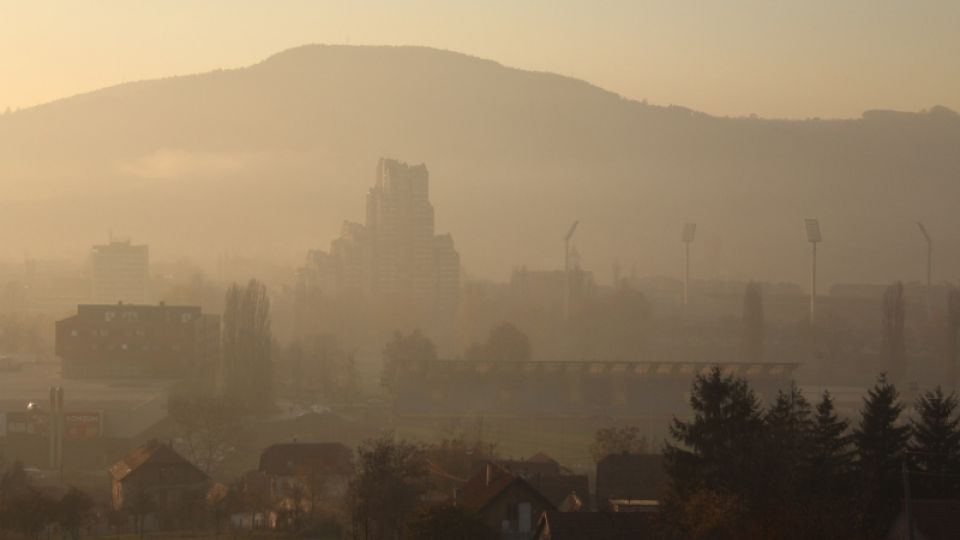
<point>506,502</point>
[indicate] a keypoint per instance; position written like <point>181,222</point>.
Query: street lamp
<point>813,236</point>
<point>689,231</point>
<point>566,268</point>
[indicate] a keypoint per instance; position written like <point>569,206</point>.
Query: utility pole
<point>814,237</point>
<point>689,231</point>
<point>907,510</point>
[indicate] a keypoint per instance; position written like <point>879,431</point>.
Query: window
<point>512,512</point>
<point>74,333</point>
<point>109,316</point>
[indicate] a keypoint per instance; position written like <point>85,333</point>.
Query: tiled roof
<point>557,487</point>
<point>484,487</point>
<point>286,459</point>
<point>152,452</point>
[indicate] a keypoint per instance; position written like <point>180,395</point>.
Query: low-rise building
<point>139,341</point>
<point>630,482</point>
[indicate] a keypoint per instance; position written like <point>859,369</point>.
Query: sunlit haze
<point>817,58</point>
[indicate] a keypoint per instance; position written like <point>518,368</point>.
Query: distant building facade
<point>394,258</point>
<point>155,341</point>
<point>119,272</point>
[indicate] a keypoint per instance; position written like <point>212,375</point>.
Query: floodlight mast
<point>689,232</point>
<point>814,237</point>
<point>926,236</point>
<point>566,268</point>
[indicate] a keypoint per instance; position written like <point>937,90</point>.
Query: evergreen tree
<point>719,447</point>
<point>936,445</point>
<point>881,444</point>
<point>784,466</point>
<point>830,453</point>
<point>830,461</point>
<point>753,331</point>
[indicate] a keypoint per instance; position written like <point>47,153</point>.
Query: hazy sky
<point>798,58</point>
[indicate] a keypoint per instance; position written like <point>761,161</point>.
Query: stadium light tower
<point>926,236</point>
<point>689,231</point>
<point>566,268</point>
<point>813,236</point>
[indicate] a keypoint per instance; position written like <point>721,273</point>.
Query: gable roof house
<point>505,502</point>
<point>155,480</point>
<point>546,475</point>
<point>316,470</point>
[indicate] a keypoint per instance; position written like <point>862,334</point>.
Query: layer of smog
<point>398,291</point>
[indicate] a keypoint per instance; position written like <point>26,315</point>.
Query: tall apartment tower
<point>119,272</point>
<point>400,225</point>
<point>393,257</point>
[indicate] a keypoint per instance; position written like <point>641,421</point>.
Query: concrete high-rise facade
<point>395,256</point>
<point>119,272</point>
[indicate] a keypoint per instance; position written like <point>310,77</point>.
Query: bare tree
<point>617,440</point>
<point>391,479</point>
<point>207,429</point>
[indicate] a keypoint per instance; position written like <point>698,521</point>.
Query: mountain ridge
<point>306,125</point>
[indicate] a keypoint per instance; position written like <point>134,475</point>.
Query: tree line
<point>796,469</point>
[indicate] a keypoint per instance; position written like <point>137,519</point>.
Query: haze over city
<point>542,270</point>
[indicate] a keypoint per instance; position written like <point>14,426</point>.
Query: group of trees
<point>505,342</point>
<point>207,428</point>
<point>795,470</point>
<point>247,342</point>
<point>398,489</point>
<point>617,440</point>
<point>26,510</point>
<point>319,366</point>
